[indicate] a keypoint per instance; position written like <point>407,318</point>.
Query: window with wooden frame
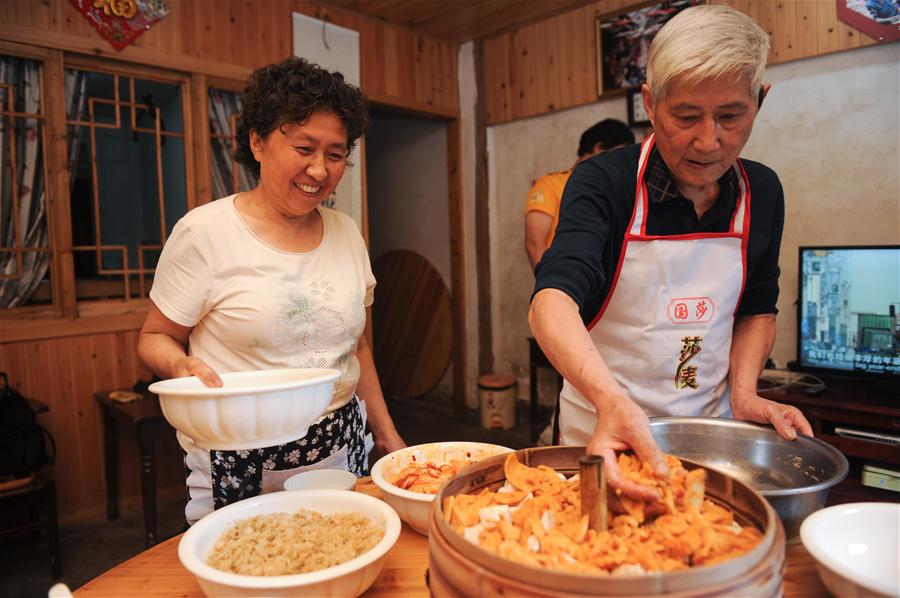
<point>127,162</point>
<point>25,254</point>
<point>126,155</point>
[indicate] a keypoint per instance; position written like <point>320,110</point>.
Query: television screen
<point>849,310</point>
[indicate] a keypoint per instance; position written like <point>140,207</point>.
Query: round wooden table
<point>158,572</point>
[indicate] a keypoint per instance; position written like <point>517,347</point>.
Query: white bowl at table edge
<point>217,522</point>
<point>812,532</point>
<point>321,479</point>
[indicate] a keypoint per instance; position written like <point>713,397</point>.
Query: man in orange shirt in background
<point>542,206</point>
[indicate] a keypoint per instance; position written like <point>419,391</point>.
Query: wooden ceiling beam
<point>461,20</point>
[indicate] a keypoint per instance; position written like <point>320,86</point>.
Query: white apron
<point>665,327</point>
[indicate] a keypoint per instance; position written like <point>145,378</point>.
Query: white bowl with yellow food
<point>347,534</point>
<point>410,478</point>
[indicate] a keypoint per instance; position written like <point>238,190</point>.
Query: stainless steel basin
<point>793,475</point>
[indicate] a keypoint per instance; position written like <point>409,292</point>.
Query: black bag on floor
<point>22,444</point>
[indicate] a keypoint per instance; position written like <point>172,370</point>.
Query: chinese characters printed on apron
<point>665,327</point>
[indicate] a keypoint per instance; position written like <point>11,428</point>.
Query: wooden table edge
<point>157,571</point>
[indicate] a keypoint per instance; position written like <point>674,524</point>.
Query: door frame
<point>455,213</point>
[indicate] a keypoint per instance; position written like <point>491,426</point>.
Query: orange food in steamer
<point>536,519</point>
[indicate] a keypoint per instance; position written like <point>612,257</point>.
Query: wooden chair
<point>38,490</point>
<point>33,489</point>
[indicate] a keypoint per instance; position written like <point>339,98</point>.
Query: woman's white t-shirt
<point>254,306</point>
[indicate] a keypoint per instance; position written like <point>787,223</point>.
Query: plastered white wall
<point>518,153</point>
<point>829,128</point>
<point>406,172</point>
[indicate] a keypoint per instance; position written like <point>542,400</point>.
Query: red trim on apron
<point>611,287</point>
<point>642,200</point>
<point>688,237</point>
<point>746,231</point>
<point>646,146</point>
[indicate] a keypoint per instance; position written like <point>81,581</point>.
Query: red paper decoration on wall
<point>120,22</point>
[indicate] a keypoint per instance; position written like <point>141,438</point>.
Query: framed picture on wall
<point>623,40</point>
<point>879,19</point>
<point>637,116</point>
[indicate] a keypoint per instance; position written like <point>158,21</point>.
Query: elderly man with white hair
<point>658,294</point>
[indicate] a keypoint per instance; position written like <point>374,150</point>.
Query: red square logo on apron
<point>691,310</point>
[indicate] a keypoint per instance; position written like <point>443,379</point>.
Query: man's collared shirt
<point>597,206</point>
<point>661,188</point>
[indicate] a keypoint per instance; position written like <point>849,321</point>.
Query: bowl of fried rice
<point>304,542</point>
<point>410,478</point>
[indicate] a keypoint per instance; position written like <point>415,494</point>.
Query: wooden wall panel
<point>459,20</point>
<point>785,45</point>
<point>551,65</point>
<point>523,68</point>
<point>229,38</point>
<point>399,66</point>
<point>806,34</point>
<point>64,373</point>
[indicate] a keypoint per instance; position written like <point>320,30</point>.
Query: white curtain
<point>23,137</point>
<point>222,104</point>
<point>76,109</point>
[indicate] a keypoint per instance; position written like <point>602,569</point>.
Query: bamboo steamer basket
<point>456,567</point>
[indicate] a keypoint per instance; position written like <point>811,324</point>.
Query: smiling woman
<point>271,279</point>
<point>300,165</point>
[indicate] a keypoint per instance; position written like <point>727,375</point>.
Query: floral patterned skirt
<point>335,440</point>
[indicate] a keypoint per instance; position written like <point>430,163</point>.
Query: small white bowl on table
<point>351,578</point>
<point>253,409</point>
<point>856,547</point>
<point>414,507</point>
<point>321,479</point>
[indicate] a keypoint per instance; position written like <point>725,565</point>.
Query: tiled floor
<point>92,548</point>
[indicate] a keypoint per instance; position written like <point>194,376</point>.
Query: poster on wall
<point>336,49</point>
<point>623,40</point>
<point>879,19</point>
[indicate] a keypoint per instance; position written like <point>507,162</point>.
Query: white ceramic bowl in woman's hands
<point>250,410</point>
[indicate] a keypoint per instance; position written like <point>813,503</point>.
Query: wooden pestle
<point>593,491</point>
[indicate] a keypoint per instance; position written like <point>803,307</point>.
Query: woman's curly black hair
<point>290,92</point>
